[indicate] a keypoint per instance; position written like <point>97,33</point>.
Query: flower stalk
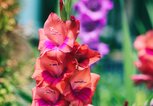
<point>65,9</point>
<point>129,68</point>
<point>62,71</point>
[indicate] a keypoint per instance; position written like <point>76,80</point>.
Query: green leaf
<point>58,8</point>
<point>149,7</point>
<point>63,14</point>
<point>68,7</point>
<point>129,68</point>
<point>24,95</point>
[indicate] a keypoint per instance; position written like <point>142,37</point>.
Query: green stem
<point>68,8</point>
<point>129,68</point>
<point>149,10</point>
<point>58,8</point>
<point>66,11</point>
<point>140,26</point>
<point>149,100</point>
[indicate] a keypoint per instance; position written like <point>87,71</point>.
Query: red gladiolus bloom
<point>51,72</point>
<point>142,78</point>
<point>57,37</point>
<point>59,81</point>
<point>84,56</point>
<point>144,46</point>
<point>80,88</point>
<point>47,97</point>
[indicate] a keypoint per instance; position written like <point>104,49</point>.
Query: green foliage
<point>7,23</point>
<point>128,60</point>
<point>149,7</point>
<point>24,95</point>
<point>11,57</point>
<point>8,11</point>
<point>66,10</point>
<point>114,88</point>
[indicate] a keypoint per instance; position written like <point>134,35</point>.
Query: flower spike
<point>59,81</point>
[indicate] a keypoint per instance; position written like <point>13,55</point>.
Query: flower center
<point>93,5</point>
<point>43,102</point>
<point>81,59</point>
<point>90,25</point>
<point>83,94</point>
<point>149,51</point>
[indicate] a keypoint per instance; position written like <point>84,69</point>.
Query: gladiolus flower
<point>51,72</point>
<point>79,90</point>
<point>84,56</point>
<point>144,46</point>
<point>142,78</point>
<point>62,72</point>
<point>47,97</point>
<point>57,37</point>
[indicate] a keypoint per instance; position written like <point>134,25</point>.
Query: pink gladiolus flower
<point>142,78</point>
<point>144,41</point>
<point>51,72</point>
<point>80,88</point>
<point>84,56</point>
<point>62,72</point>
<point>57,37</point>
<point>144,46</point>
<point>47,96</point>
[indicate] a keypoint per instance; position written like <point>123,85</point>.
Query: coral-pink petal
<point>139,42</point>
<point>55,29</point>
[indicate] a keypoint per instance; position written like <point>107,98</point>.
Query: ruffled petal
<point>142,78</point>
<point>56,54</point>
<point>149,39</point>
<point>42,39</point>
<point>139,43</point>
<point>37,73</point>
<point>94,81</point>
<point>55,29</point>
<point>80,79</point>
<point>76,103</point>
<point>38,68</point>
<point>51,65</point>
<point>62,103</point>
<point>48,94</point>
<point>73,27</point>
<point>85,56</point>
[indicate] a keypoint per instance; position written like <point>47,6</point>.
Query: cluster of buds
<point>143,45</point>
<point>62,72</point>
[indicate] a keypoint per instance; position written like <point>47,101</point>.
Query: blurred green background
<point>19,24</point>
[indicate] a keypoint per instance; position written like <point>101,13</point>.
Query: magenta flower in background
<point>96,9</point>
<point>99,46</point>
<point>90,29</point>
<point>144,47</point>
<point>93,18</point>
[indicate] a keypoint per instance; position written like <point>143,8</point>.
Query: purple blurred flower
<point>92,15</point>
<point>99,46</point>
<point>95,9</point>
<point>90,29</point>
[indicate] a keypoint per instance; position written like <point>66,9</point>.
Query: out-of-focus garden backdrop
<point>124,21</point>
